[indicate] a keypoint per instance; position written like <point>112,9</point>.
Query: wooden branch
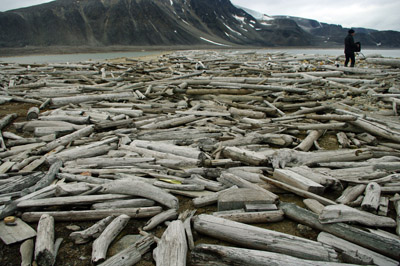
<point>100,245</point>
<point>82,237</point>
<point>132,254</point>
<point>159,218</point>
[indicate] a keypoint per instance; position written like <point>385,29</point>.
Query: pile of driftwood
<point>112,141</point>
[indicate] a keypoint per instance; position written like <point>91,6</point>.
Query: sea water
<point>84,57</point>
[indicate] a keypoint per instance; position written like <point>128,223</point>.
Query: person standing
<point>350,47</point>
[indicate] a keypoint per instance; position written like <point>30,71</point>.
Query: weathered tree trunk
<point>45,253</point>
<point>139,188</point>
<point>382,245</point>
<point>251,217</point>
<point>372,197</point>
<point>343,213</point>
<point>344,246</point>
<point>291,178</point>
<point>254,237</point>
<point>205,254</point>
<point>172,249</point>
<point>297,191</point>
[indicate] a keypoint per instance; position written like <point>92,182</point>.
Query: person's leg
<point>353,60</point>
<point>347,60</point>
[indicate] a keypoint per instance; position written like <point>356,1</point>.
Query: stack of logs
<point>112,141</point>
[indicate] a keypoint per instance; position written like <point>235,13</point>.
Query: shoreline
<point>60,50</point>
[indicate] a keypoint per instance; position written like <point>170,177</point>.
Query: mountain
<point>332,34</point>
<point>101,23</point>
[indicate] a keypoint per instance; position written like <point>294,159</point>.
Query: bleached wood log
<point>230,179</point>
<point>107,161</point>
<point>247,113</point>
<point>128,203</point>
<point>26,250</point>
<point>397,208</point>
<point>128,112</point>
<point>159,218</point>
<point>185,187</point>
<point>31,125</point>
<point>251,217</point>
<point>287,157</point>
<point>79,120</point>
<point>172,249</point>
<point>132,254</point>
<point>343,213</point>
<point>180,161</point>
<point>297,191</point>
<point>307,143</point>
<point>81,237</point>
<point>384,61</point>
<point>20,182</point>
<point>173,122</point>
<point>82,178</point>
<point>327,117</point>
<point>69,189</point>
<point>206,254</point>
<point>100,245</point>
<point>71,200</point>
<point>44,247</point>
<point>292,178</point>
<point>211,199</point>
<point>186,217</point>
<point>82,152</point>
<point>32,114</point>
<point>314,205</point>
<point>87,98</point>
<point>245,156</point>
<point>208,184</point>
<point>92,214</point>
<point>376,130</point>
<point>351,193</point>
<point>342,245</point>
<point>382,245</point>
<point>372,197</point>
<point>263,239</point>
<point>67,139</point>
<point>7,120</point>
<point>47,179</point>
<point>168,148</point>
<point>139,188</point>
<point>320,178</point>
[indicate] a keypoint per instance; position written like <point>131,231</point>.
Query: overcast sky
<point>374,14</point>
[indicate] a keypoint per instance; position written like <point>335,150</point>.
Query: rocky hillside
<point>332,34</point>
<point>157,22</point>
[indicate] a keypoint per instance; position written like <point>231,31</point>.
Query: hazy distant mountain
<point>164,22</point>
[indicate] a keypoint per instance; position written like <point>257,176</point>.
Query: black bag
<point>358,47</point>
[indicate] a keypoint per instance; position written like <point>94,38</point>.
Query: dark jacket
<point>349,45</point>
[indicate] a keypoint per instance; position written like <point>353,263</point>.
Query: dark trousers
<point>350,57</point>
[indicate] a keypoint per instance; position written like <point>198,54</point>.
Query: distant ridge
<point>101,23</point>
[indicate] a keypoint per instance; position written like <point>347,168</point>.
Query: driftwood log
<point>262,239</point>
<point>100,245</point>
